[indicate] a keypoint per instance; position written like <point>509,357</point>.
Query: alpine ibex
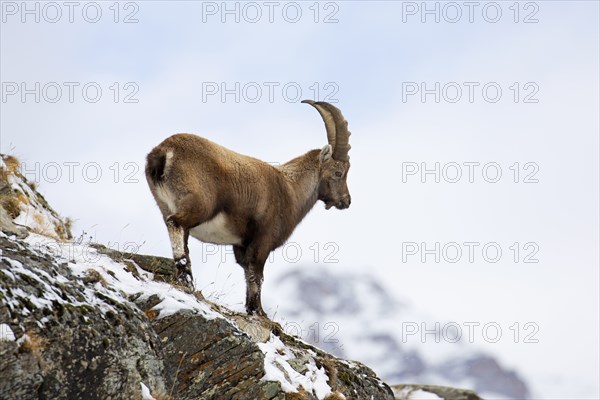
<point>222,197</point>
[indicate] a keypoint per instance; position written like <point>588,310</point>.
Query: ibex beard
<point>219,196</point>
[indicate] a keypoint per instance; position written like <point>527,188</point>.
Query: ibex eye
<point>339,174</point>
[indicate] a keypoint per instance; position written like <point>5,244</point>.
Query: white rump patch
<point>162,193</point>
<point>168,160</point>
<point>215,231</point>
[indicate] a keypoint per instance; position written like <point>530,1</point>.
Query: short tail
<point>155,166</point>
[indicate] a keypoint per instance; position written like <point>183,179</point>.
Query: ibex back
<point>222,197</point>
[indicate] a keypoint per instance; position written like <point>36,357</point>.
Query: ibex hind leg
<point>189,213</point>
<point>183,267</point>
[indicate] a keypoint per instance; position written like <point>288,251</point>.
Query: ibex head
<point>335,163</point>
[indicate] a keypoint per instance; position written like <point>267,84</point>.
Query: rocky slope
<point>81,321</point>
<point>90,327</point>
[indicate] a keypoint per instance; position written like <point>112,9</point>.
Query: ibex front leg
<point>183,266</point>
<point>253,270</point>
<point>254,280</point>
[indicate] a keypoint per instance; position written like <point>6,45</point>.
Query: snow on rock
<point>142,331</point>
<point>421,395</point>
<point>278,369</point>
<point>48,295</point>
<point>70,337</point>
<point>115,282</point>
<point>418,394</point>
<point>146,392</point>
<point>26,206</point>
<point>435,392</point>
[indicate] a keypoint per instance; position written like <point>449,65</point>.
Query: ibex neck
<point>302,175</point>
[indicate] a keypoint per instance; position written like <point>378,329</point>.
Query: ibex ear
<point>326,153</point>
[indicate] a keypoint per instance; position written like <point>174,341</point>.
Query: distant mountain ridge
<point>367,327</point>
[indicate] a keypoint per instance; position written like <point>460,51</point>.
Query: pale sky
<point>374,59</point>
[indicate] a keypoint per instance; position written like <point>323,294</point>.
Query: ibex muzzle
<point>219,196</point>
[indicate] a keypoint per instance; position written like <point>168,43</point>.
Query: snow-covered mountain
<point>353,316</point>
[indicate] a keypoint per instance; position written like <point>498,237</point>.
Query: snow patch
<point>146,392</point>
<point>408,393</point>
<point>421,395</point>
<point>34,214</point>
<point>278,369</point>
<point>119,283</point>
<point>49,294</point>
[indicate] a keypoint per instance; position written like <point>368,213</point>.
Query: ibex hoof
<point>260,312</point>
<point>184,272</point>
<point>185,279</point>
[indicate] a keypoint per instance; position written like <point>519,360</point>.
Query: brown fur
<point>193,180</point>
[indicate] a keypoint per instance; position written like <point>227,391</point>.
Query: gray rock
<point>18,196</point>
<point>67,348</point>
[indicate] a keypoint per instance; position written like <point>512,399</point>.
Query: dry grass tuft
<point>12,164</point>
<point>39,219</point>
<point>11,205</point>
<point>68,226</point>
<point>331,371</point>
<point>162,396</point>
<point>335,396</point>
<point>301,395</point>
<point>92,277</point>
<point>34,344</point>
<point>63,231</point>
<point>21,198</point>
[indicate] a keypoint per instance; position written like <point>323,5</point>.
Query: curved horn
<point>327,118</point>
<point>336,126</point>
